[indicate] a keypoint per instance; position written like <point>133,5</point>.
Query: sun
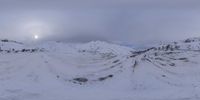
<point>36,37</point>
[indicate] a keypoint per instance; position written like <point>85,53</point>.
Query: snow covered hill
<point>99,71</point>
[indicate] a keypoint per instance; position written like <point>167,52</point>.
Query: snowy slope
<point>100,71</point>
<point>8,44</point>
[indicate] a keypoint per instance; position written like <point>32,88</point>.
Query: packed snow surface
<point>99,71</point>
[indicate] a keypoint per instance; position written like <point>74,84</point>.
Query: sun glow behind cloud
<point>35,29</point>
<point>36,37</point>
<point>116,20</point>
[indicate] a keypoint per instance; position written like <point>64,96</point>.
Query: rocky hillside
<point>63,71</point>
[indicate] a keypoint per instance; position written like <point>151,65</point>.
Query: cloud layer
<point>130,21</point>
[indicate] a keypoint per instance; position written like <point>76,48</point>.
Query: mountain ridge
<point>108,71</point>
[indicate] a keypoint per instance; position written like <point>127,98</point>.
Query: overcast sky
<point>130,21</point>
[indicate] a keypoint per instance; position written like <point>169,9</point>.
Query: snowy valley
<point>99,71</point>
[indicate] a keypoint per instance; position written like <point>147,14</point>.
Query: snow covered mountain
<point>99,71</point>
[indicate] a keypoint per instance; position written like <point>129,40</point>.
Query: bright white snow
<point>99,71</point>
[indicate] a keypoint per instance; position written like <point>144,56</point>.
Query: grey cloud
<point>131,21</point>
